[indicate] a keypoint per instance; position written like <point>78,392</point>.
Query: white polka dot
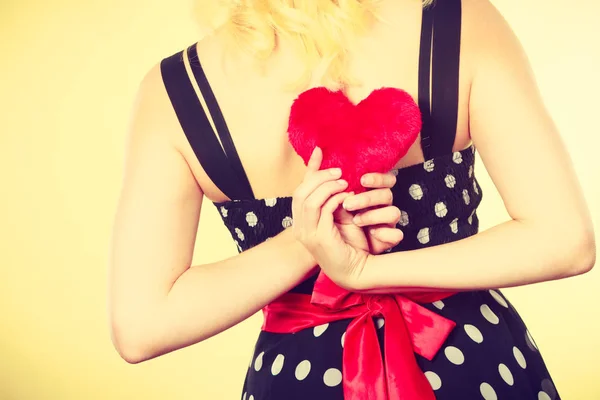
<point>529,340</point>
<point>403,218</point>
<point>474,333</point>
<point>239,233</point>
<point>454,225</point>
<point>415,191</point>
<point>498,298</point>
<point>543,396</point>
<point>548,387</point>
<point>457,157</point>
<point>470,219</point>
<point>251,219</point>
<point>251,397</point>
<point>271,202</point>
<point>423,236</point>
<point>440,209</point>
<point>223,211</point>
<point>380,322</point>
<point>454,355</point>
<point>429,165</point>
<point>475,189</point>
<point>287,222</point>
<point>450,181</point>
<point>277,364</point>
<point>489,314</point>
<point>438,304</point>
<point>238,245</point>
<point>251,359</point>
<point>466,198</point>
<point>519,357</point>
<point>318,330</point>
<point>258,363</point>
<point>332,377</point>
<point>434,380</point>
<point>506,374</point>
<point>302,370</point>
<point>244,396</point>
<point>487,391</point>
<point>343,338</point>
<point>470,171</point>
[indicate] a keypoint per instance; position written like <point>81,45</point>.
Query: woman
<point>422,263</point>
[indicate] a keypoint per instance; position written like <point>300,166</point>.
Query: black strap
<point>217,117</point>
<point>440,122</point>
<point>446,60</point>
<point>424,77</point>
<point>197,128</point>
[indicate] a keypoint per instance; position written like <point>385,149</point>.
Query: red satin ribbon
<point>409,328</point>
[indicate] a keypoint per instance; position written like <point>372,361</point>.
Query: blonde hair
<point>323,31</point>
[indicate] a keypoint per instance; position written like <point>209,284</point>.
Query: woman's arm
<point>158,303</point>
<point>550,234</point>
<point>510,254</point>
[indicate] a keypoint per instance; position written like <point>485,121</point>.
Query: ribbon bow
<point>409,328</point>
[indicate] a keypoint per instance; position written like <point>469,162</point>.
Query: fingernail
<point>315,151</point>
<point>335,171</point>
<point>342,182</point>
<point>365,180</point>
<point>373,232</point>
<point>357,219</point>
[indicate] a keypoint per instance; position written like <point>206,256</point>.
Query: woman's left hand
<point>338,244</point>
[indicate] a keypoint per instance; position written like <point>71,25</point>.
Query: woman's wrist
<point>368,277</point>
<point>298,251</point>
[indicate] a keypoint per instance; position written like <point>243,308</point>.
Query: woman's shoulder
<point>152,104</point>
<point>484,28</point>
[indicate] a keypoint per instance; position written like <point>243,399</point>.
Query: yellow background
<point>68,73</point>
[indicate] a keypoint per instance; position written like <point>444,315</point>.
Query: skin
<point>159,302</point>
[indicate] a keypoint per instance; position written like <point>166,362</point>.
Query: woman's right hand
<point>374,210</point>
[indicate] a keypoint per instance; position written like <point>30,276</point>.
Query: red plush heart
<point>368,137</point>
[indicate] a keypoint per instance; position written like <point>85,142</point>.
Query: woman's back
<point>256,104</point>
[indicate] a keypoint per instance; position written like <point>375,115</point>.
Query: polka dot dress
<point>489,355</point>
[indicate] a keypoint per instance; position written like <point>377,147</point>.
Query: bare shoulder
<point>485,29</point>
<point>155,110</point>
<point>514,133</point>
<point>153,107</point>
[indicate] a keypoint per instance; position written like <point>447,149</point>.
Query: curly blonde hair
<point>323,31</point>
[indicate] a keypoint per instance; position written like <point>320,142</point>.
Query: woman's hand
<point>328,231</point>
<point>375,212</point>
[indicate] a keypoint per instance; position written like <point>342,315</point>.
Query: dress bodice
<point>438,200</point>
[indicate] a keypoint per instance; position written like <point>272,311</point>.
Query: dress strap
<point>197,128</point>
<point>219,120</point>
<point>424,77</point>
<point>440,47</point>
